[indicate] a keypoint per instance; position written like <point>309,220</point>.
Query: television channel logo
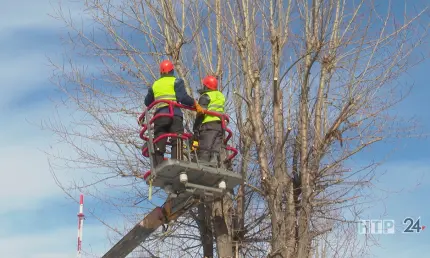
<point>386,226</point>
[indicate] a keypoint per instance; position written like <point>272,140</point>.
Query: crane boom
<point>169,211</point>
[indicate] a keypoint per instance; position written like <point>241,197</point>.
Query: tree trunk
<point>205,227</point>
<point>239,220</point>
<point>221,227</point>
<point>304,216</point>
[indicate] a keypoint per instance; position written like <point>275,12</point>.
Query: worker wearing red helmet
<point>208,128</point>
<point>168,87</point>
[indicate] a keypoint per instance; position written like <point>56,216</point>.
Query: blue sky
<point>37,220</point>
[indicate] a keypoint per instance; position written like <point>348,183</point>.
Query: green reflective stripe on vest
<point>166,97</point>
<point>164,88</point>
<point>216,104</point>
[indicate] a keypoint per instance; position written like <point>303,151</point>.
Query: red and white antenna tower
<point>81,217</point>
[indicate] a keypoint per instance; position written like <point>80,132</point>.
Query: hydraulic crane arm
<point>169,211</point>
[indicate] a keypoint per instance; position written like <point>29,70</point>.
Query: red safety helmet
<point>210,82</point>
<point>166,66</point>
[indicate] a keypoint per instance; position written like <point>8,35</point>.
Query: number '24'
<point>412,227</point>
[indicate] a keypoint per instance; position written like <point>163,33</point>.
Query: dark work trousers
<point>210,141</point>
<point>164,125</point>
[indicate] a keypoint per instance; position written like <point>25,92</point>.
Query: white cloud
<point>59,243</point>
<point>30,13</point>
<point>27,183</point>
<point>25,70</point>
<point>13,70</point>
<point>25,178</point>
<point>22,75</point>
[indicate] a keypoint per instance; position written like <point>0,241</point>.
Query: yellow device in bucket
<point>195,145</point>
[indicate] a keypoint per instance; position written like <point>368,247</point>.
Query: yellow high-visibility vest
<point>217,102</point>
<point>164,88</point>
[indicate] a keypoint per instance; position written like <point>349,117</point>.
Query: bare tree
<point>339,82</point>
<point>309,85</point>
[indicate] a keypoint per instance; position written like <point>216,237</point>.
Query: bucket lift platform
<point>178,176</point>
<point>186,182</point>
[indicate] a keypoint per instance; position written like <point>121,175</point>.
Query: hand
<point>199,108</point>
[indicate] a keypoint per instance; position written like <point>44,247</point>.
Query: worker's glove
<point>199,108</point>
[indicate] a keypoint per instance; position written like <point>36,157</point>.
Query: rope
<point>150,189</point>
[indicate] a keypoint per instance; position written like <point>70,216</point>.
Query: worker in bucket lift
<point>207,128</point>
<point>168,87</point>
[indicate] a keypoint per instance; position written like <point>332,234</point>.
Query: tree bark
<point>205,227</point>
<point>221,227</point>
